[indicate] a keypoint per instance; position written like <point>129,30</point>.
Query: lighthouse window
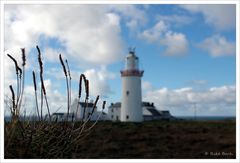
<point>127,93</point>
<point>127,117</point>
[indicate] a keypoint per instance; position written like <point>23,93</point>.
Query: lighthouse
<point>131,108</point>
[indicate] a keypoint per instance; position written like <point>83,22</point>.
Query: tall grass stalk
<point>79,92</point>
<point>45,96</point>
<point>87,130</point>
<point>43,90</point>
<point>13,99</point>
<point>89,116</point>
<point>86,83</point>
<point>18,76</point>
<point>103,107</point>
<point>66,76</point>
<point>70,85</point>
<point>22,80</point>
<point>35,90</point>
<point>41,73</point>
<point>19,84</point>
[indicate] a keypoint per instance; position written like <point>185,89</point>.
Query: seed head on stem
<point>13,96</point>
<point>63,65</point>
<point>103,105</point>
<point>40,60</point>
<point>15,62</point>
<point>23,57</point>
<point>34,81</point>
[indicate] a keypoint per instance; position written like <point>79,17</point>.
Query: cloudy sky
<point>188,52</point>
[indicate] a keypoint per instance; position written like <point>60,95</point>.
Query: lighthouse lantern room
<point>131,108</point>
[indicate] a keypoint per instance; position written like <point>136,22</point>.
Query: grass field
<point>155,140</point>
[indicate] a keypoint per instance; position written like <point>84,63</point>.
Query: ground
<point>156,140</point>
<point>175,139</point>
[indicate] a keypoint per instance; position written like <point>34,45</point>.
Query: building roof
<point>165,112</point>
<point>147,104</point>
<point>118,104</point>
<point>115,105</point>
<point>58,114</point>
<point>90,104</point>
<point>154,111</point>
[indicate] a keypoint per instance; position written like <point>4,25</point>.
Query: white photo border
<point>4,2</point>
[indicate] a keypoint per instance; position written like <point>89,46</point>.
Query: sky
<point>187,52</point>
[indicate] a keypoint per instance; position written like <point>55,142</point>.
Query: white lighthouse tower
<point>131,108</point>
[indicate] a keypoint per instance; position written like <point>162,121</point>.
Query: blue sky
<point>188,52</point>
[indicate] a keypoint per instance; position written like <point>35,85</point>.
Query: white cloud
<point>132,24</point>
<point>218,45</point>
<point>98,81</point>
<point>89,33</point>
<point>133,15</point>
<point>155,33</point>
<point>220,16</point>
<point>175,20</point>
<point>180,100</point>
<point>51,54</point>
<point>175,43</point>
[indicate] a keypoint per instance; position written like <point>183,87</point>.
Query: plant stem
<point>69,89</point>
<point>23,78</point>
<point>68,106</point>
<point>35,90</point>
<point>41,103</point>
<point>48,108</point>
